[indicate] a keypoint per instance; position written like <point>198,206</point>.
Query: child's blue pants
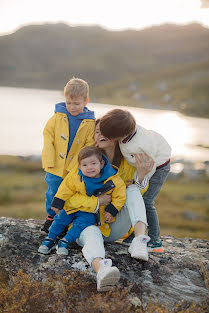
<point>80,221</point>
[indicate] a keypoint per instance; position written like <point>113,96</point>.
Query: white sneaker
<point>138,248</point>
<point>108,275</point>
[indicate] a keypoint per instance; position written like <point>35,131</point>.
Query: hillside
<point>160,67</point>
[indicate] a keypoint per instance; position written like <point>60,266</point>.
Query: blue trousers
<point>53,183</point>
<point>155,185</point>
<point>80,221</point>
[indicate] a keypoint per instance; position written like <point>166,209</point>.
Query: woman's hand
<point>108,217</point>
<point>105,199</point>
<point>144,164</point>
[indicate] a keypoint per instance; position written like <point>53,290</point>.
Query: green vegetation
<point>22,190</point>
<point>182,88</point>
<point>71,293</point>
<point>183,208</point>
<point>162,67</point>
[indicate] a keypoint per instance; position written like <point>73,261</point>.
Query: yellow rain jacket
<point>88,204</point>
<point>56,134</point>
<point>73,190</point>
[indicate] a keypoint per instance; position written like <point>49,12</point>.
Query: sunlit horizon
<point>110,15</point>
<point>24,137</point>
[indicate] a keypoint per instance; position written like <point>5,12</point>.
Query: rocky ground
<point>179,273</point>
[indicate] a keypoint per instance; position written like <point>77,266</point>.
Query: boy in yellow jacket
<point>94,178</point>
<point>69,130</point>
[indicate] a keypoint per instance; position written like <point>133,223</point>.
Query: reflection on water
<point>24,113</point>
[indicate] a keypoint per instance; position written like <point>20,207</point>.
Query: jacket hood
<point>86,114</point>
<point>107,170</point>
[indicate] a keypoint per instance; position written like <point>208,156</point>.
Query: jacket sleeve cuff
<point>58,203</point>
<point>111,209</point>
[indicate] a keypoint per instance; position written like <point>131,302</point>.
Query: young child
<point>69,130</point>
<point>133,140</point>
<point>95,177</point>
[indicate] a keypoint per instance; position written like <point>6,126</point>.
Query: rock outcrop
<point>179,273</point>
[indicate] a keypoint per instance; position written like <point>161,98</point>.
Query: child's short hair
<point>117,123</point>
<point>88,151</point>
<point>77,87</point>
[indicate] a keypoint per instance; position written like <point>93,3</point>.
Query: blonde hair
<point>76,87</point>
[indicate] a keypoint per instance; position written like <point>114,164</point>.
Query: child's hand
<point>105,199</point>
<point>129,182</point>
<point>108,217</point>
<point>144,164</point>
<point>55,210</point>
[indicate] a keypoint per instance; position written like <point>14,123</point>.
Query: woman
<point>132,214</point>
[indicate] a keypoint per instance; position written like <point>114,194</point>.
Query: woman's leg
<point>132,214</point>
<point>92,242</point>
<point>80,221</point>
<point>93,250</point>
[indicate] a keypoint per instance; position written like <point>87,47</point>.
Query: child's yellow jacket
<point>88,204</point>
<point>56,134</point>
<point>74,186</point>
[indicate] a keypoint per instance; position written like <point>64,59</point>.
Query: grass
<point>183,208</point>
<point>182,205</point>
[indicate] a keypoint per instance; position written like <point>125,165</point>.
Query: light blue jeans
<point>155,185</point>
<point>53,183</point>
<point>91,238</point>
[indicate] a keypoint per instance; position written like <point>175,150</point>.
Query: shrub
<point>73,293</point>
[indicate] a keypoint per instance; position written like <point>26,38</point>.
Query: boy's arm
<point>88,204</point>
<point>82,202</point>
<point>48,152</point>
<point>90,135</point>
<point>118,197</point>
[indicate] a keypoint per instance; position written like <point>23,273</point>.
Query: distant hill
<point>160,67</point>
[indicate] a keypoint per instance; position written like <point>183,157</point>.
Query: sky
<point>110,14</point>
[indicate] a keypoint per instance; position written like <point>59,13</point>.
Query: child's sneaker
<point>47,224</point>
<point>108,275</point>
<point>138,248</point>
<point>47,246</point>
<point>156,246</point>
<point>62,247</point>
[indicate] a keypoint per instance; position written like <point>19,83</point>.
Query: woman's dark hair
<point>97,121</point>
<point>118,157</point>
